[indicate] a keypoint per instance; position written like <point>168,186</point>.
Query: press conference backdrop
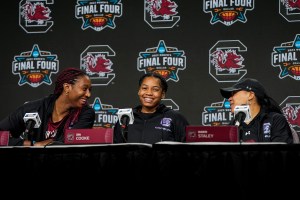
<point>198,46</point>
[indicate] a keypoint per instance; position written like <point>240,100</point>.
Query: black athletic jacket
<point>267,127</point>
<point>15,124</point>
<point>164,124</point>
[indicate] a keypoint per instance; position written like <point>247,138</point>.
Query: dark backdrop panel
<point>196,88</point>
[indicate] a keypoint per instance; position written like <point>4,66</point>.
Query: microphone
<point>125,117</point>
<point>241,113</point>
<point>239,118</point>
<point>32,120</point>
<point>124,121</point>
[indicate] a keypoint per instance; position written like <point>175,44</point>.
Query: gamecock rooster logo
<point>97,65</point>
<point>162,8</point>
<point>36,12</point>
<point>291,4</point>
<point>292,114</point>
<point>228,60</point>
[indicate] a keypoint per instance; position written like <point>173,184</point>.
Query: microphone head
<point>125,120</point>
<point>33,117</point>
<point>125,113</point>
<point>242,109</point>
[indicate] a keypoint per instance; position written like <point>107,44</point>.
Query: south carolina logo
<point>290,10</point>
<point>226,61</point>
<point>96,60</point>
<point>161,13</point>
<point>291,109</point>
<point>34,16</point>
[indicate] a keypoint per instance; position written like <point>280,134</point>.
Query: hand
<point>43,143</point>
<point>27,143</point>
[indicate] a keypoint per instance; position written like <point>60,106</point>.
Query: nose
<point>149,92</point>
<point>88,93</point>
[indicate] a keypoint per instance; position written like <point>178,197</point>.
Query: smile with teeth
<point>148,100</point>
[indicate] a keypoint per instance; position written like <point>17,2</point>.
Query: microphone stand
<point>240,132</point>
<point>124,129</point>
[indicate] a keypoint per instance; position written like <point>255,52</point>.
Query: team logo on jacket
<point>96,60</point>
<point>98,14</point>
<point>216,114</point>
<point>163,60</point>
<point>290,10</point>
<point>161,14</point>
<point>227,11</point>
<point>226,62</point>
<point>34,16</point>
<point>286,57</point>
<point>291,109</point>
<point>106,115</point>
<point>267,130</point>
<point>166,122</point>
<point>35,67</point>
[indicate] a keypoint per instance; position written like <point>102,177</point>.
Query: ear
<point>163,95</point>
<point>66,87</point>
<point>251,96</point>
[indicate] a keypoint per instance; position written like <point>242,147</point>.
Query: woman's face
<point>80,91</point>
<point>239,98</point>
<point>150,94</point>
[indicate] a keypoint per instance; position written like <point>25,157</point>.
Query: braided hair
<point>68,75</point>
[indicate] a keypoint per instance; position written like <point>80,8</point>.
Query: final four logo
<point>217,114</point>
<point>106,115</point>
<point>35,67</point>
<point>34,16</point>
<point>287,58</point>
<point>161,13</point>
<point>163,60</point>
<point>98,14</point>
<point>227,11</point>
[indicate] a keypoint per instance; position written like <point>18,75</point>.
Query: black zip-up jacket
<point>266,127</point>
<point>14,122</point>
<point>164,124</point>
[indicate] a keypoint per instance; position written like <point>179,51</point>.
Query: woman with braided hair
<point>66,108</point>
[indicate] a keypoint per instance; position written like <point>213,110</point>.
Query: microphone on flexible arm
<point>32,120</point>
<point>125,118</point>
<point>241,114</point>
